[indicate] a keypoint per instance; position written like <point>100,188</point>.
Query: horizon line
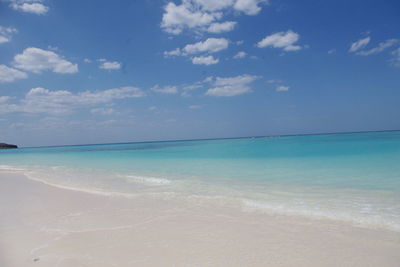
<point>216,138</point>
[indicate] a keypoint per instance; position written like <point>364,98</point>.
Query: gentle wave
<point>10,168</point>
<point>149,180</point>
<point>313,212</point>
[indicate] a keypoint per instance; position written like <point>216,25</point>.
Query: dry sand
<point>42,225</point>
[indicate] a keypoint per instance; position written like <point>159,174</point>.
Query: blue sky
<point>75,72</point>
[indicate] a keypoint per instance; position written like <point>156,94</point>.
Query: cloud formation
<point>165,89</point>
<point>38,60</point>
<point>41,100</point>
<point>283,40</point>
<point>219,27</point>
<point>357,45</point>
<point>8,74</point>
<point>110,65</point>
<point>230,86</point>
<point>204,15</point>
<point>282,88</point>
<point>240,54</point>
<point>205,60</point>
<point>209,46</point>
<point>381,47</point>
<point>29,6</point>
<point>6,33</point>
<point>395,60</point>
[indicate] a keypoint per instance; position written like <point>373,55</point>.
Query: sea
<point>348,177</point>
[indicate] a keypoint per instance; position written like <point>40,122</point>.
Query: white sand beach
<point>42,225</point>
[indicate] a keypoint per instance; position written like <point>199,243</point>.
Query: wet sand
<point>42,225</point>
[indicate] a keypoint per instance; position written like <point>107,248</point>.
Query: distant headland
<point>7,146</point>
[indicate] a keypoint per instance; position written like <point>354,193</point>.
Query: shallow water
<point>353,177</point>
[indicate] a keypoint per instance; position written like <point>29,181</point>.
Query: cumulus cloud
<point>204,15</point>
<point>381,47</point>
<point>205,60</point>
<point>175,52</point>
<point>230,86</point>
<point>219,27</point>
<point>249,7</point>
<point>284,40</point>
<point>29,6</point>
<point>282,88</point>
<point>6,33</point>
<point>110,65</point>
<point>213,5</point>
<point>37,60</point>
<point>240,54</point>
<point>165,89</point>
<point>178,17</point>
<point>357,45</point>
<point>211,45</point>
<point>8,74</point>
<point>41,100</point>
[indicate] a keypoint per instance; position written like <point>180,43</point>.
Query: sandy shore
<point>41,225</point>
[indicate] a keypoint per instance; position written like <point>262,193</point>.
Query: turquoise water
<point>353,177</point>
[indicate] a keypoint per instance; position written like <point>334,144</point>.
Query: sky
<point>81,72</point>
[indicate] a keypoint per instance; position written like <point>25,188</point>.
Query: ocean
<point>349,177</point>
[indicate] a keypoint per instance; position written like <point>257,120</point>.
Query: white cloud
<point>249,7</point>
<point>188,88</point>
<point>165,89</point>
<point>37,60</point>
<point>282,88</point>
<point>4,39</point>
<point>103,111</point>
<point>178,17</point>
<point>87,60</point>
<point>332,51</point>
<point>240,54</point>
<point>6,33</point>
<point>41,100</point>
<point>195,106</point>
<point>381,46</point>
<point>8,74</point>
<point>4,99</point>
<point>284,40</point>
<point>231,86</point>
<point>205,60</point>
<point>211,45</point>
<point>175,52</point>
<point>218,27</point>
<point>213,5</point>
<point>29,7</point>
<point>359,44</point>
<point>110,65</point>
<point>395,60</point>
<point>204,15</point>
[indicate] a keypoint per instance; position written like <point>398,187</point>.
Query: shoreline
<point>244,203</point>
<point>50,225</point>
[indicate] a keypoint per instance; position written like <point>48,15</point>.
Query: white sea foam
<point>149,180</point>
<point>10,168</point>
<point>368,220</point>
<point>94,191</point>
